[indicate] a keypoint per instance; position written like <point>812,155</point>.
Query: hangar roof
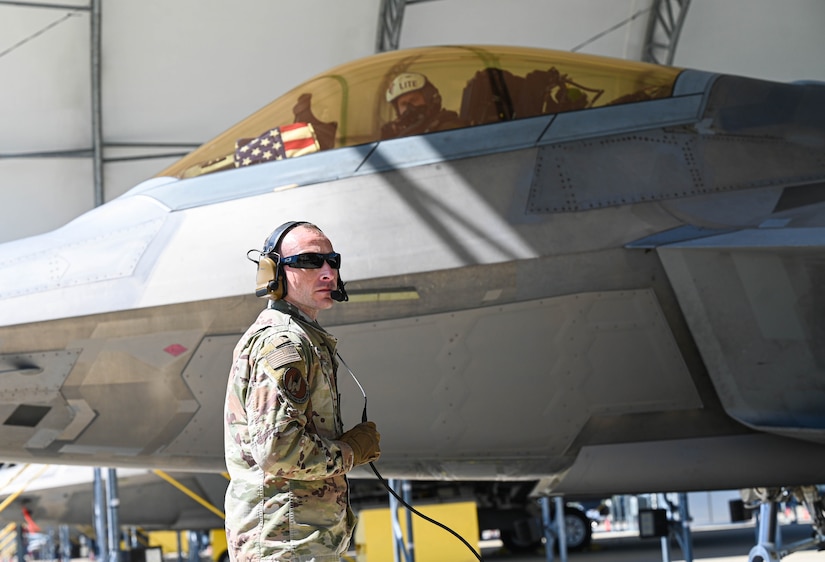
<point>101,94</point>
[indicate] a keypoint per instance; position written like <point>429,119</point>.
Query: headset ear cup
<point>268,282</point>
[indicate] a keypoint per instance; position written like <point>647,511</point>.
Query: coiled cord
<point>389,488</point>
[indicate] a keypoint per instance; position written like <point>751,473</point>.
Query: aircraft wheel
<point>577,527</point>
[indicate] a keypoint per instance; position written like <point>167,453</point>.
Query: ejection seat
<point>493,95</point>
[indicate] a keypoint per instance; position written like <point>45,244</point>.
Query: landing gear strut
<point>769,547</point>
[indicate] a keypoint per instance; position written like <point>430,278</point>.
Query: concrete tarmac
<point>712,544</point>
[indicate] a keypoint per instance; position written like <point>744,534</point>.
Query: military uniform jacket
<point>287,498</point>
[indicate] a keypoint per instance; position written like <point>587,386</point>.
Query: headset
<point>270,280</point>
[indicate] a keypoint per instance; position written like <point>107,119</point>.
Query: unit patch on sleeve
<point>294,386</point>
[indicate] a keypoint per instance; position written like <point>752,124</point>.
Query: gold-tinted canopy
<point>474,85</point>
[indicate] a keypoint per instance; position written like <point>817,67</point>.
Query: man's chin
<point>325,301</point>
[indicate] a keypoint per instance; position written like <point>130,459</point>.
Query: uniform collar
<point>295,312</point>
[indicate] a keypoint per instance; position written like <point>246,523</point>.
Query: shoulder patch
<point>294,386</point>
<point>280,356</point>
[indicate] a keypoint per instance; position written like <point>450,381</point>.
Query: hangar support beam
<point>97,104</point>
<point>390,22</point>
<point>95,152</point>
<point>663,29</point>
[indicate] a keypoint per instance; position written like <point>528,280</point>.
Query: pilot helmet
<point>407,82</point>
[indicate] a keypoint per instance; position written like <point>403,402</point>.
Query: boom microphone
<point>339,294</point>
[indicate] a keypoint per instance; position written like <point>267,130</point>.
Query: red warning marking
<point>175,349</point>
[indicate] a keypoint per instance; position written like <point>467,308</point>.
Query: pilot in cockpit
<point>417,106</point>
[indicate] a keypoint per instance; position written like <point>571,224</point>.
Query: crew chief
<point>286,451</point>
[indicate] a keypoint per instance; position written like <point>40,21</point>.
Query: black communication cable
<point>389,488</point>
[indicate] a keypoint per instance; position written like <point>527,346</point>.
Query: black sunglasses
<point>313,260</point>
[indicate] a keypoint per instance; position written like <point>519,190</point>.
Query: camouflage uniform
<point>287,498</point>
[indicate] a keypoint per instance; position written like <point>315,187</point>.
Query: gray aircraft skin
<point>617,299</point>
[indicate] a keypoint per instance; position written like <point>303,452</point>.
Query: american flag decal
<point>287,141</point>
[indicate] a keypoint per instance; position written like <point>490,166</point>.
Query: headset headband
<point>273,243</point>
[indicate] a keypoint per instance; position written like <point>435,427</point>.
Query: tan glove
<point>363,438</point>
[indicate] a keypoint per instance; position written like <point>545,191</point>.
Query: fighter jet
<point>601,274</point>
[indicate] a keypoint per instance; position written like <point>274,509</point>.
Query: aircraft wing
<point>64,495</point>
